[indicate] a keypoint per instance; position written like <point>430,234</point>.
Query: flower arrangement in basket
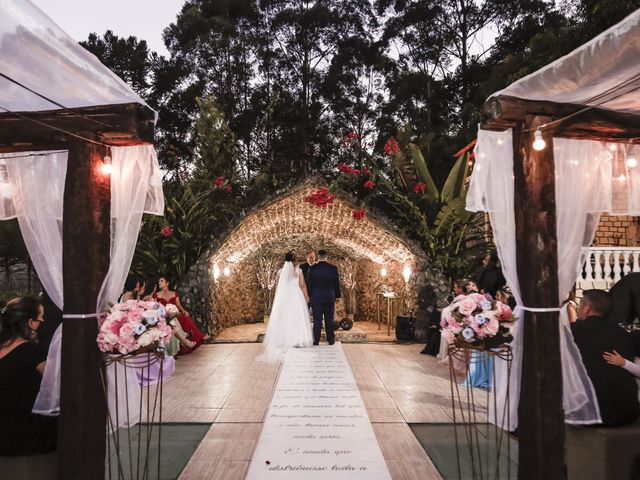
<point>133,327</point>
<point>476,320</point>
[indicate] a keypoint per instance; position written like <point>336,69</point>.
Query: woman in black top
<point>21,365</point>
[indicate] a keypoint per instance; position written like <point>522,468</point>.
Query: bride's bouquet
<point>132,326</point>
<point>474,319</point>
<point>172,313</point>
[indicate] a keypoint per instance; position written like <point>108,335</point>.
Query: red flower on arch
<point>166,231</point>
<point>320,198</point>
<point>359,214</point>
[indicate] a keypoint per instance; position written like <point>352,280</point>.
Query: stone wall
<point>195,294</point>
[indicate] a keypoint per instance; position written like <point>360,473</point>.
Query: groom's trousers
<point>323,310</point>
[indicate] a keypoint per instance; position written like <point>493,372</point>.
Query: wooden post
<point>540,412</point>
<point>85,257</point>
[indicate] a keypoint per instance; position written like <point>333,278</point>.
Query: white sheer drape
<point>586,183</point>
<point>35,197</point>
<point>36,190</point>
<point>491,190</point>
<point>136,188</point>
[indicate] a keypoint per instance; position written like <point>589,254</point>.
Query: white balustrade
<point>602,267</point>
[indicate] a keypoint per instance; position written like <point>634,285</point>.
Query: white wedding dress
<point>289,320</point>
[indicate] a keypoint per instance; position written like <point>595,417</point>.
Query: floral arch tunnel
<point>371,256</point>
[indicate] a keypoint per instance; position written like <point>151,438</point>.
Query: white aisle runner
<point>317,426</point>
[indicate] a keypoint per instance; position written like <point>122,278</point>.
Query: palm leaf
<point>420,165</point>
<point>454,187</point>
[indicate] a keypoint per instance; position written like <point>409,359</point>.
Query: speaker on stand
<point>405,328</point>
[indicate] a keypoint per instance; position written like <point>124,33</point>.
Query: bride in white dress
<point>289,324</point>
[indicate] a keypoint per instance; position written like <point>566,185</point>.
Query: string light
<point>406,273</point>
<point>216,272</point>
<point>538,141</point>
<point>621,178</point>
<point>631,162</point>
<point>226,271</point>
<point>383,272</point>
<point>291,218</point>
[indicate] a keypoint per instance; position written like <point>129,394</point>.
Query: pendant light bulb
<point>538,141</point>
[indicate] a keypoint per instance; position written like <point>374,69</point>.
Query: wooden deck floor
<point>224,384</point>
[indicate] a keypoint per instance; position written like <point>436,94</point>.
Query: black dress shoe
<point>315,343</point>
<point>332,343</point>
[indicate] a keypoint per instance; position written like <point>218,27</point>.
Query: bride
<point>289,320</point>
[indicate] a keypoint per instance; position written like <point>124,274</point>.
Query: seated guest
<point>615,387</point>
<point>22,362</point>
<point>134,288</point>
<point>491,279</point>
<point>614,358</point>
<point>165,295</point>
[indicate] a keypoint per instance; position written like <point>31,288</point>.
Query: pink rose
<point>492,327</point>
<point>478,298</point>
<point>506,314</point>
<point>453,325</point>
<point>467,305</point>
<point>126,330</point>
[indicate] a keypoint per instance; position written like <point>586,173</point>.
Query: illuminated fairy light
<point>383,272</point>
<point>216,272</point>
<point>226,271</point>
<point>621,177</point>
<point>291,216</point>
<point>406,273</point>
<point>631,162</point>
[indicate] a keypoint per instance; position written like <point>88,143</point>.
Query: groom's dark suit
<point>323,286</point>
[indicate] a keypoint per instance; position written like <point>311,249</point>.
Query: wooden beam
<point>117,125</point>
<point>503,112</point>
<point>540,412</point>
<point>85,258</point>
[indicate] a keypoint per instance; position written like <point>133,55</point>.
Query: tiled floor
<point>249,332</point>
<point>224,384</point>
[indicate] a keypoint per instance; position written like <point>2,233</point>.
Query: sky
<point>145,19</point>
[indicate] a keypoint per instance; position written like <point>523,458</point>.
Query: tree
<point>129,58</point>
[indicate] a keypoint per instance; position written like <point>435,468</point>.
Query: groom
<point>323,286</point>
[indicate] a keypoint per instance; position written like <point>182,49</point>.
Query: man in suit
<point>323,286</point>
<point>626,299</point>
<point>311,260</point>
<point>615,387</point>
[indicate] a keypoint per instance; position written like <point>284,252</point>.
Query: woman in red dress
<point>165,296</point>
